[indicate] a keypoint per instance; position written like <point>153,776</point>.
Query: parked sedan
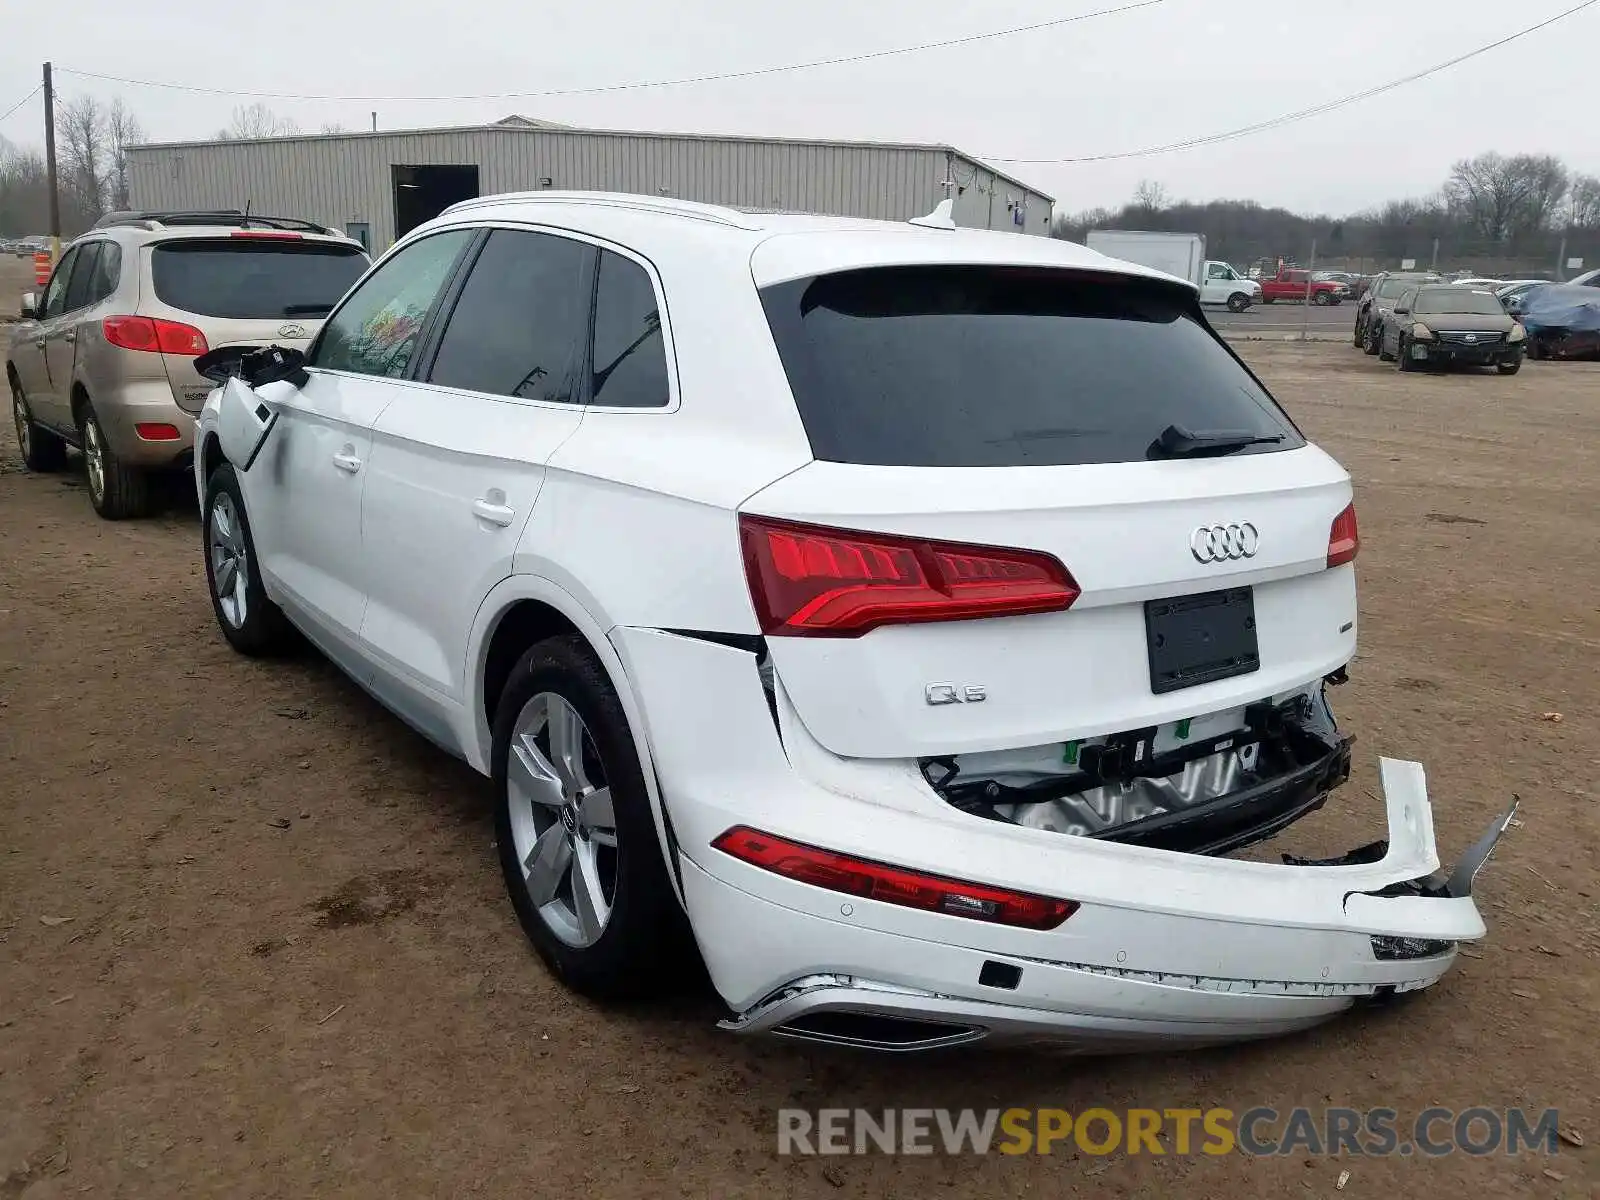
<point>1443,325</point>
<point>1373,309</point>
<point>663,517</point>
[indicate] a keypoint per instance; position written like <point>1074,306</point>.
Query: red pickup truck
<point>1290,284</point>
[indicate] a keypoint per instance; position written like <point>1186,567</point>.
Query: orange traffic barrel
<point>41,268</point>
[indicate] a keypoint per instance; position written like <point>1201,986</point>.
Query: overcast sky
<point>1179,69</point>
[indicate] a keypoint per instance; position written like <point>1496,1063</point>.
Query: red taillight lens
<point>154,336</point>
<point>156,431</point>
<point>807,580</point>
<point>1343,539</point>
<point>893,885</point>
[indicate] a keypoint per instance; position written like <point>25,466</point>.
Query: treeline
<point>92,140</point>
<point>1494,213</point>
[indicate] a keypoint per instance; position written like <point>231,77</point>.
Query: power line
<point>37,89</point>
<point>635,85</point>
<point>1304,113</point>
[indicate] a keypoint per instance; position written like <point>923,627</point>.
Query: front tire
<point>1403,352</point>
<point>1372,339</point>
<point>116,490</point>
<point>576,836</point>
<point>1510,366</point>
<point>1320,299</point>
<point>1238,302</point>
<point>41,449</point>
<point>251,622</point>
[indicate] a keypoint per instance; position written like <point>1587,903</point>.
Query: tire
<point>1511,367</point>
<point>1238,302</point>
<point>41,449</point>
<point>1359,337</point>
<point>1402,353</point>
<point>1268,300</point>
<point>639,946</point>
<point>251,622</point>
<point>1372,339</point>
<point>1320,299</point>
<point>116,490</point>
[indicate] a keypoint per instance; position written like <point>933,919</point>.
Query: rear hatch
<point>246,288</point>
<point>1072,449</point>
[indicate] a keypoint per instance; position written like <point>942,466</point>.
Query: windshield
<point>956,366</point>
<point>254,279</point>
<point>1393,289</point>
<point>1458,300</point>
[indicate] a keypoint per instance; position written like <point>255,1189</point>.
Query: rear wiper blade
<point>307,310</point>
<point>1177,442</point>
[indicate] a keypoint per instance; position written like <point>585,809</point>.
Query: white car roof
<point>784,246</point>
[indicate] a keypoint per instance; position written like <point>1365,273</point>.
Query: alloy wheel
<point>19,414</point>
<point>230,561</point>
<point>562,823</point>
<point>94,457</point>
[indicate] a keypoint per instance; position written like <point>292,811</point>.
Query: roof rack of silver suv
<point>167,220</point>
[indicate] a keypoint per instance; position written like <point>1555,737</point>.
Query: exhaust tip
<point>876,1031</point>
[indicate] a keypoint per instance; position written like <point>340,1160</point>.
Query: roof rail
<point>636,200</point>
<point>226,217</point>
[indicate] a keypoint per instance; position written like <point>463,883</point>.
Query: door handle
<point>39,342</point>
<point>347,461</point>
<point>494,514</point>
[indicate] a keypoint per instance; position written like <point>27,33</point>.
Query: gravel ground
<point>253,940</point>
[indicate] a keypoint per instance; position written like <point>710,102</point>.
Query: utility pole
<point>1561,260</point>
<point>50,165</point>
<point>1305,310</point>
<point>1434,265</point>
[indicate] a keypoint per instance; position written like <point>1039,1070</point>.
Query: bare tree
<point>1151,197</point>
<point>1502,198</point>
<point>257,121</point>
<point>1584,202</point>
<point>81,128</point>
<point>24,192</point>
<point>122,130</point>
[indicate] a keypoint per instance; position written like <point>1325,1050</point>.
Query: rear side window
<point>519,327</point>
<point>254,279</point>
<point>630,363</point>
<point>80,291</point>
<point>107,273</point>
<point>996,367</point>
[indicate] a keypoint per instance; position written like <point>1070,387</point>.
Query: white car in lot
<point>912,617</point>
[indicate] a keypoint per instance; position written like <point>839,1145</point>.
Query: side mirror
<point>1400,312</point>
<point>255,365</point>
<point>30,307</point>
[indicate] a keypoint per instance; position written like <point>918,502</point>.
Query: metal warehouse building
<point>378,186</point>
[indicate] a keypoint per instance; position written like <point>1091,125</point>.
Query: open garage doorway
<point>423,192</point>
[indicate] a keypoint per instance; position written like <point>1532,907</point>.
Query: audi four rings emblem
<point>1216,543</point>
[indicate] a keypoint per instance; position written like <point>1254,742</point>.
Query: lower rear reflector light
<point>893,885</point>
<point>815,581</point>
<point>157,431</point>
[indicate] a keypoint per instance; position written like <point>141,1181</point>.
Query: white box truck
<point>1183,255</point>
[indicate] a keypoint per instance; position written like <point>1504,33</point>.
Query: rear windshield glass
<point>991,367</point>
<point>1458,300</point>
<point>254,280</point>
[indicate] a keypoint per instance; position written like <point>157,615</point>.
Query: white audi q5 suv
<point>909,620</point>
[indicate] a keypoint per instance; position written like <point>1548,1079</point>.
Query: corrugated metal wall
<point>342,179</point>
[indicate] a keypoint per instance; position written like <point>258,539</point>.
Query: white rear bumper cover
<point>1165,948</point>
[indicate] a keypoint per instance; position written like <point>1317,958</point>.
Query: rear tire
<point>41,450</point>
<point>559,847</point>
<point>116,490</point>
<point>251,622</point>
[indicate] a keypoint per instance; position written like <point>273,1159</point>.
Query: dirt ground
<point>253,940</point>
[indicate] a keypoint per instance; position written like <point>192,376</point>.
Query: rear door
<point>1001,441</point>
<point>458,460</point>
<point>248,287</point>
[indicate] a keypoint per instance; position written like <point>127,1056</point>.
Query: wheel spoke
<point>531,776</point>
<point>566,743</point>
<point>226,574</point>
<point>547,864</point>
<point>588,900</point>
<point>599,821</point>
<point>222,522</point>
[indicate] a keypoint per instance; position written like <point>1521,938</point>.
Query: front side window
<point>523,316</point>
<point>55,296</point>
<point>1217,271</point>
<point>630,361</point>
<point>376,331</point>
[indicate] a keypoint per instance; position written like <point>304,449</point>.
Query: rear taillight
<point>810,581</point>
<point>1343,540</point>
<point>893,885</point>
<point>154,335</point>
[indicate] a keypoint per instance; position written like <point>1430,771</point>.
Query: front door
<point>458,461</point>
<point>32,355</point>
<point>1218,284</point>
<point>314,467</point>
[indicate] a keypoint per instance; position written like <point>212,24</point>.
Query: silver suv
<point>105,362</point>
